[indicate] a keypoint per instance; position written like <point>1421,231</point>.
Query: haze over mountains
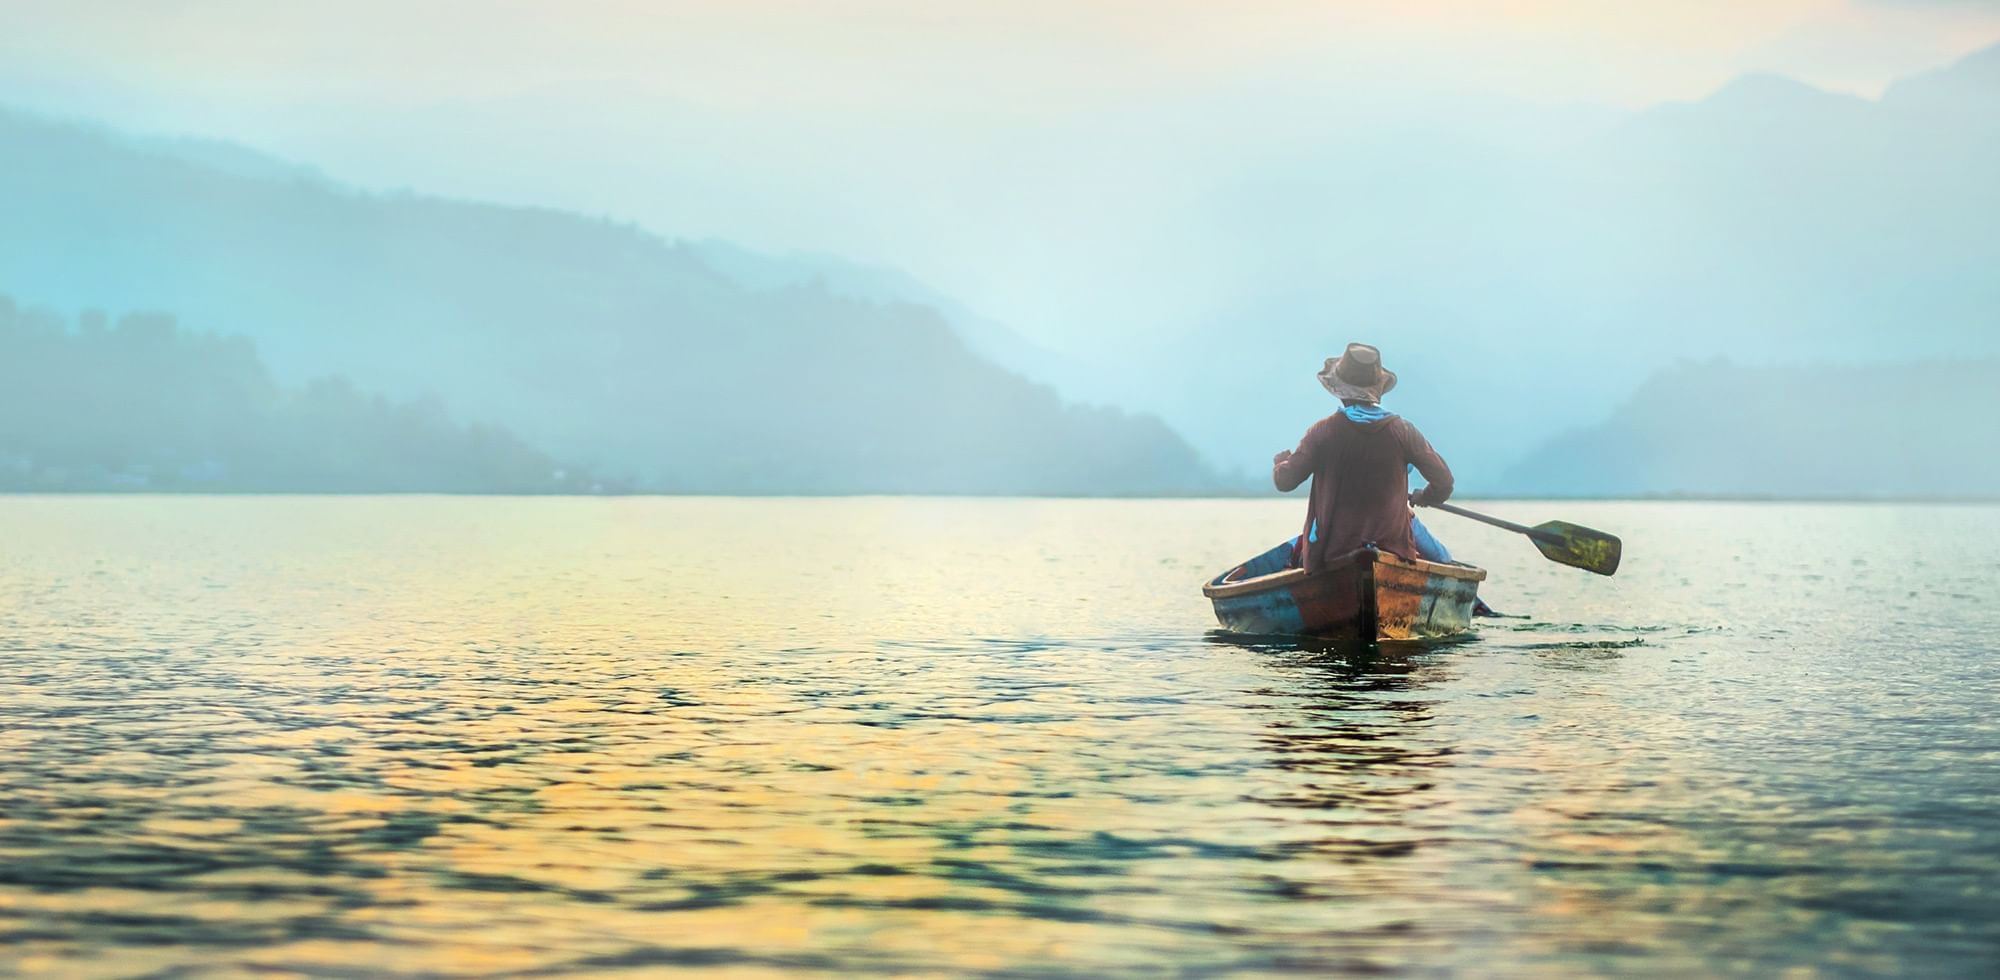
<point>596,342</point>
<point>140,404</point>
<point>1927,429</point>
<point>1526,270</point>
<point>1526,274</point>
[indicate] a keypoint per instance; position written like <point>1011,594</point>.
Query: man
<point>1359,460</point>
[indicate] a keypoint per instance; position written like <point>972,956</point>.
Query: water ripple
<point>349,736</point>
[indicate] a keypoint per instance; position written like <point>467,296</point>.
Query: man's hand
<point>1419,497</point>
<point>1283,454</point>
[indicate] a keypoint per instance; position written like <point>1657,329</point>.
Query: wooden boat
<point>1362,595</point>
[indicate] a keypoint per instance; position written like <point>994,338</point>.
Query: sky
<point>1056,165</point>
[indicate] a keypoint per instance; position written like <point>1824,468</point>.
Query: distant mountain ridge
<point>596,341</point>
<point>138,404</point>
<point>1527,273</point>
<point>1527,279</point>
<point>1716,428</point>
<point>1966,87</point>
<point>986,337</point>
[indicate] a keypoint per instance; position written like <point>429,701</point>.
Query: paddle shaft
<point>1495,521</point>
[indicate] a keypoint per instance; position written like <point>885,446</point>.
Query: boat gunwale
<point>1218,589</point>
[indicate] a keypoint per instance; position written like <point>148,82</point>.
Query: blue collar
<point>1365,414</point>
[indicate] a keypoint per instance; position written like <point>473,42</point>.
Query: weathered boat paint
<point>1362,595</point>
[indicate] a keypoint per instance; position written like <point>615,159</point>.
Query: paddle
<point>1559,541</point>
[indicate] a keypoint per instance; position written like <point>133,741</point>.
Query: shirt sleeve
<point>1294,469</point>
<point>1437,475</point>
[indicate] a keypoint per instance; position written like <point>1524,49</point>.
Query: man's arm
<point>1291,467</point>
<point>1437,476</point>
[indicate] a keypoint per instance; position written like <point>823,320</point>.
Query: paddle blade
<point>1578,546</point>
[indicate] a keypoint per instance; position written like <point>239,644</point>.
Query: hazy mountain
<point>1968,89</point>
<point>1524,268</point>
<point>230,158</point>
<point>987,337</point>
<point>1527,270</point>
<point>596,341</point>
<point>1718,428</point>
<point>141,405</point>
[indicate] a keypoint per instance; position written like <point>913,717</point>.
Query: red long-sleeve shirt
<point>1360,484</point>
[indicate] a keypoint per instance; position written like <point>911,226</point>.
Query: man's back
<point>1360,492</point>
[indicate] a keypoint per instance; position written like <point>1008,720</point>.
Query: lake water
<point>437,736</point>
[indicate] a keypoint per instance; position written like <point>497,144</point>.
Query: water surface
<point>502,736</point>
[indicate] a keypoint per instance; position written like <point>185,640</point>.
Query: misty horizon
<point>1487,238</point>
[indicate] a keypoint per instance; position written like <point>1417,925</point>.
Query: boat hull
<point>1362,595</point>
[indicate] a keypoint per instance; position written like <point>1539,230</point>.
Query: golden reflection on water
<point>484,736</point>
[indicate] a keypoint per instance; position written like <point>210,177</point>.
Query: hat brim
<point>1329,379</point>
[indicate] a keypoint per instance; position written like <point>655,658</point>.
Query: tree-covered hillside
<point>140,404</point>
